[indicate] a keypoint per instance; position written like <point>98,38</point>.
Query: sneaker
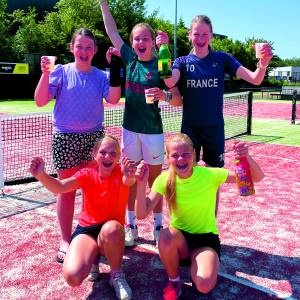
<point>131,234</point>
<point>172,291</point>
<point>156,234</point>
<point>94,273</point>
<point>121,287</point>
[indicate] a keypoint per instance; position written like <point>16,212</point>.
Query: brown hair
<point>145,25</point>
<point>106,137</point>
<point>84,32</point>
<point>202,19</point>
<point>170,192</point>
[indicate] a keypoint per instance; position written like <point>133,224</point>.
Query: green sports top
<point>139,116</point>
<point>195,199</point>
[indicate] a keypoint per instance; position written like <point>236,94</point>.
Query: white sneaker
<point>156,234</point>
<point>122,289</point>
<point>94,273</point>
<point>131,234</point>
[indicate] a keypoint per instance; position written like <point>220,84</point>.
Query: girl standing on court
<point>190,192</point>
<point>79,89</point>
<point>101,220</point>
<point>142,134</point>
<point>200,79</point>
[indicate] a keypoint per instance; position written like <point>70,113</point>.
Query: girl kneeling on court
<point>190,191</point>
<point>101,221</point>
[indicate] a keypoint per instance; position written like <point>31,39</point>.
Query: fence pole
<point>1,158</point>
<point>293,121</point>
<point>249,115</point>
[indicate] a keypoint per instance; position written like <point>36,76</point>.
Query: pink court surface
<point>259,235</point>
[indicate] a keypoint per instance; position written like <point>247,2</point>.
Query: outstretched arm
<point>41,94</point>
<point>144,205</point>
<point>54,185</point>
<point>115,61</point>
<point>110,25</point>
<point>241,150</point>
<point>258,75</point>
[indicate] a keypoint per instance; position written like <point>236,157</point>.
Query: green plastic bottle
<point>164,62</point>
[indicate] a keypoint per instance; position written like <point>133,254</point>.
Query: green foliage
<point>26,32</point>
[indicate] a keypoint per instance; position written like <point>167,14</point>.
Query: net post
<point>249,115</point>
<point>1,158</point>
<point>293,120</point>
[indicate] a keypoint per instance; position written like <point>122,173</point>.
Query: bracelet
<point>260,66</point>
<point>168,96</point>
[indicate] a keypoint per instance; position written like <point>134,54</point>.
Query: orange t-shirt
<point>103,200</point>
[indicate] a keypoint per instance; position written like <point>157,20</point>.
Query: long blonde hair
<point>170,192</point>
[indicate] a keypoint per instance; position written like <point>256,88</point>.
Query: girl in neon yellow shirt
<point>190,191</point>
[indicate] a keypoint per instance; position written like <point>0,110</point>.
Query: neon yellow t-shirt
<point>195,199</point>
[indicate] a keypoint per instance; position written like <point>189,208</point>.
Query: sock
<point>131,217</point>
<point>157,219</point>
<point>175,279</point>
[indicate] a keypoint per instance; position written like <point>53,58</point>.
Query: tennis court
<point>260,238</point>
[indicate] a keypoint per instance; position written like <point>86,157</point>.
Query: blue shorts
<point>93,231</point>
<point>196,241</point>
<point>211,140</point>
<point>71,149</point>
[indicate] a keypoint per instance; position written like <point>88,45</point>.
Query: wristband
<point>115,71</point>
<point>168,96</point>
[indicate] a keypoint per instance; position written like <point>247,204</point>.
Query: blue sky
<point>276,21</point>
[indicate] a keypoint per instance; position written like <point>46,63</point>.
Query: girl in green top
<point>190,191</point>
<point>142,134</point>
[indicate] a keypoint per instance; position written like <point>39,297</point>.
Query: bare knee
<point>112,231</point>
<point>73,279</point>
<point>205,285</point>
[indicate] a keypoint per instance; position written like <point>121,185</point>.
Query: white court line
<point>235,279</point>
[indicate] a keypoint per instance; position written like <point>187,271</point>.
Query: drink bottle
<point>243,177</point>
<point>164,62</point>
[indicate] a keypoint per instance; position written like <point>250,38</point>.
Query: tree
<point>5,45</point>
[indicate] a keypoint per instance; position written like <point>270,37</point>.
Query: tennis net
<point>25,136</point>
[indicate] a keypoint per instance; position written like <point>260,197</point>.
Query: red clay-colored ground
<point>259,234</point>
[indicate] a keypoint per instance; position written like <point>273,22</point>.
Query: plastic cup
<point>258,48</point>
<point>51,64</point>
<point>149,97</point>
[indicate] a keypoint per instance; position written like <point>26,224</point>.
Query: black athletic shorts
<point>92,231</point>
<point>196,241</point>
<point>211,140</point>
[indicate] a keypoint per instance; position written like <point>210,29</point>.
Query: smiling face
<point>200,35</point>
<point>142,42</point>
<point>181,157</point>
<point>107,155</point>
<point>83,49</point>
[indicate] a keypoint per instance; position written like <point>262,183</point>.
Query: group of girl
<point>86,158</point>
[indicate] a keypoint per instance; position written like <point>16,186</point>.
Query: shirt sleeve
<point>221,175</point>
<point>232,64</point>
<point>105,87</point>
<point>159,184</point>
<point>127,53</point>
<point>55,80</point>
<point>82,176</point>
<point>178,63</point>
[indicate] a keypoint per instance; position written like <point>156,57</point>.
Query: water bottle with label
<point>243,177</point>
<point>164,62</point>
